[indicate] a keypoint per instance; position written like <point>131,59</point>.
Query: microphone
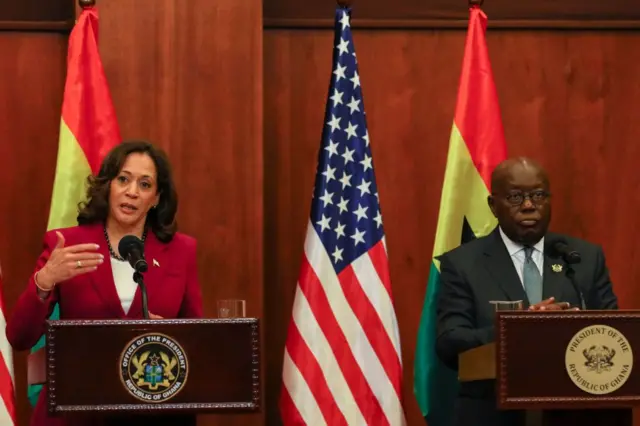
<point>559,247</point>
<point>132,249</point>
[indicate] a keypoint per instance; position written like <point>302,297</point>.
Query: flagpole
<point>344,3</point>
<point>473,3</point>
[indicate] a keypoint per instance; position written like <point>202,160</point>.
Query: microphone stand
<point>137,277</point>
<point>571,275</point>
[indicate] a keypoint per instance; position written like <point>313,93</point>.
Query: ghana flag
<point>88,130</point>
<point>476,146</point>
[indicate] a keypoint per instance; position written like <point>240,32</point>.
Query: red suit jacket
<point>173,291</point>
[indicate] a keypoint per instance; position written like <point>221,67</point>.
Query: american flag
<point>342,361</point>
<point>7,394</point>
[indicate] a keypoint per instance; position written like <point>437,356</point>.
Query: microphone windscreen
<point>558,247</point>
<point>555,245</point>
<point>129,243</point>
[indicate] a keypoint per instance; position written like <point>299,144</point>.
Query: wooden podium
<point>578,368</point>
<point>150,366</point>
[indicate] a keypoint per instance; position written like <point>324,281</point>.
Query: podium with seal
<point>138,366</point>
<point>577,368</point>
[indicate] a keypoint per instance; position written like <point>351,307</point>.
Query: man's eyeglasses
<point>517,198</point>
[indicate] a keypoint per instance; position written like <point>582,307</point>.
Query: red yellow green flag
<point>88,130</point>
<point>476,146</point>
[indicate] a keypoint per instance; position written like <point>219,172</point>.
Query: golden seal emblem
<point>599,359</point>
<point>153,367</point>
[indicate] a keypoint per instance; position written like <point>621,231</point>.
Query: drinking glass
<point>507,305</point>
<point>231,308</point>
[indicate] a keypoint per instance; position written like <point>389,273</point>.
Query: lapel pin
<point>556,267</point>
<point>155,263</point>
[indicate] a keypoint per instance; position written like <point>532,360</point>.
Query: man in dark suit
<point>510,264</point>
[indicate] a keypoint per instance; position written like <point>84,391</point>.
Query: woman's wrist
<point>42,282</point>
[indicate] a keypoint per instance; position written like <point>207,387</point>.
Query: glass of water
<point>232,308</point>
<point>507,305</point>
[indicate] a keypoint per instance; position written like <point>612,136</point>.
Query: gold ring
<point>79,264</point>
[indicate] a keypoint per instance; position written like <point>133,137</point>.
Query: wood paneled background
<point>33,43</point>
<point>568,92</point>
<point>430,14</point>
<point>182,75</point>
<point>235,92</point>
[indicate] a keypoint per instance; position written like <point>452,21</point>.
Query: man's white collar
<point>514,247</point>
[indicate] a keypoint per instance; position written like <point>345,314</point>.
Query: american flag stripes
<point>342,361</point>
<point>7,393</point>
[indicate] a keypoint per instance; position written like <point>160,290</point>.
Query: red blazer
<point>173,291</point>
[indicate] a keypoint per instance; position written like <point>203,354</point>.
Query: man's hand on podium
<point>154,316</point>
<point>550,304</point>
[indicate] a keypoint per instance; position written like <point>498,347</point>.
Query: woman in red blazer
<point>81,270</point>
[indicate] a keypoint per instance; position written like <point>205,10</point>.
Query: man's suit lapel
<point>155,255</point>
<point>501,268</point>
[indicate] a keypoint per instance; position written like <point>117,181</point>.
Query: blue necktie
<point>532,278</point>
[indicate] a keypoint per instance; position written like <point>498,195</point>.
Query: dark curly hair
<point>162,219</point>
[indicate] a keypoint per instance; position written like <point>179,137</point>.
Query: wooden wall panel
<point>49,15</point>
<point>32,76</point>
<point>187,76</point>
<point>31,83</point>
<point>568,99</point>
<point>447,13</point>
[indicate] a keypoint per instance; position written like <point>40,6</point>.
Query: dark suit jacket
<point>482,270</point>
<point>173,291</point>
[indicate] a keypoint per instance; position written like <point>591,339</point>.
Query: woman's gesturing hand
<point>68,262</point>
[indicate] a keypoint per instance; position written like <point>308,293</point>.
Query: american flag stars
<point>345,208</point>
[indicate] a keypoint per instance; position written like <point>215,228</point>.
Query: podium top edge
<point>166,321</point>
<point>588,314</point>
